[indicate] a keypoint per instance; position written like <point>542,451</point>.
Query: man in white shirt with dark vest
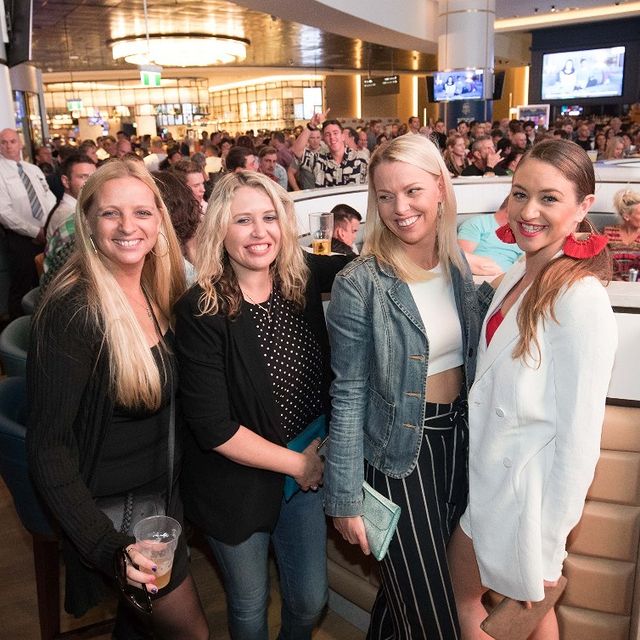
<point>25,202</point>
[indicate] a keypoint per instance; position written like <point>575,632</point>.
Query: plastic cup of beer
<point>321,228</point>
<point>157,539</point>
<point>593,154</point>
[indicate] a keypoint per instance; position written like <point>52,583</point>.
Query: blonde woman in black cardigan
<point>100,385</point>
<point>254,374</point>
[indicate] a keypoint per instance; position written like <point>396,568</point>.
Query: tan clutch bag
<point>511,620</point>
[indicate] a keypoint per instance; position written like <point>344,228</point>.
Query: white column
<point>465,37</point>
<point>7,111</point>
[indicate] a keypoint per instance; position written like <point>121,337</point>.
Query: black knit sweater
<point>70,410</point>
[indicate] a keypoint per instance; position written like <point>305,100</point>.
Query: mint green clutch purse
<point>380,520</point>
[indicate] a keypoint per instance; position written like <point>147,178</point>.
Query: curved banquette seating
<point>602,600</point>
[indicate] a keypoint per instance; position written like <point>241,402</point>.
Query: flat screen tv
<point>458,85</point>
<point>589,73</point>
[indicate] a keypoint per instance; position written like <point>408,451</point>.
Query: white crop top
<point>437,306</point>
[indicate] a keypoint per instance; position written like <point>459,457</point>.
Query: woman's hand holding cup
<point>144,574</point>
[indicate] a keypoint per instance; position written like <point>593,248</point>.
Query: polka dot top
<point>293,359</point>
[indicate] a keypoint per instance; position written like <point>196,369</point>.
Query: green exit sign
<point>150,78</point>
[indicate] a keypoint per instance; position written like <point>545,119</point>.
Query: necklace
<point>145,305</point>
<point>266,309</point>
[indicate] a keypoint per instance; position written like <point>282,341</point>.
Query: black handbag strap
<point>171,436</point>
<point>171,440</point>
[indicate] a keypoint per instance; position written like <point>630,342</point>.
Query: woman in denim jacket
<point>404,324</point>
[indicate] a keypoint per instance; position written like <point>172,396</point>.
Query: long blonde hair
<point>380,241</point>
<point>134,373</point>
<point>221,291</point>
<point>572,162</point>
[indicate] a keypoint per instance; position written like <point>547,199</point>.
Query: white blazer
<point>534,436</point>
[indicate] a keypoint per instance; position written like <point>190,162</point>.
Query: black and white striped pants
<point>416,600</point>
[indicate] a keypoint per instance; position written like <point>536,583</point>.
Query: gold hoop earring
<point>93,244</point>
<point>166,242</point>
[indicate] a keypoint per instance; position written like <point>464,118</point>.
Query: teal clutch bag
<point>380,520</point>
<point>315,429</point>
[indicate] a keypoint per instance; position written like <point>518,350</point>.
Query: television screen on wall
<point>458,85</point>
<point>590,73</point>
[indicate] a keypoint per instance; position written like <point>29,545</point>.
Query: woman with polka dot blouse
<point>254,372</point>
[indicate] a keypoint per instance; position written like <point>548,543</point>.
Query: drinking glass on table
<point>321,228</point>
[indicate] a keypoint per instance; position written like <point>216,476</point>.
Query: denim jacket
<point>380,359</point>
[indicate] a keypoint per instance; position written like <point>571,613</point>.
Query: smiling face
<point>124,222</point>
<point>253,237</point>
<point>407,199</point>
<point>543,209</point>
<point>332,136</point>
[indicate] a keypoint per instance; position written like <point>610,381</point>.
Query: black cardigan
<point>70,409</point>
<point>224,383</point>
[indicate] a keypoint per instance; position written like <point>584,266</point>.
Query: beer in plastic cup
<point>321,228</point>
<point>157,539</point>
<point>593,154</point>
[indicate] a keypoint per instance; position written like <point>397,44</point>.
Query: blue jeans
<point>299,541</point>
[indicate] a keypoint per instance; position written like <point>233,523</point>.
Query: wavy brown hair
<point>559,274</point>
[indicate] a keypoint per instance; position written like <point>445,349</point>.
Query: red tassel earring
<point>588,247</point>
<point>506,234</point>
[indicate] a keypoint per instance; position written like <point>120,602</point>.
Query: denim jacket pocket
<point>377,431</point>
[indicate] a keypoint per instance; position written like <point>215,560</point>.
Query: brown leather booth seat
<point>602,600</point>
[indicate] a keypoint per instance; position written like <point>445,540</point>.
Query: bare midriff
<point>444,387</point>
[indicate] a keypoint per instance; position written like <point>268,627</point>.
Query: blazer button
<point>506,462</point>
<point>500,412</point>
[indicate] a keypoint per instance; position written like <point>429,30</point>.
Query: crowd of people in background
<point>322,153</point>
<point>612,139</point>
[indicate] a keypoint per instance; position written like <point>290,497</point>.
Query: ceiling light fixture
<point>180,49</point>
<point>557,18</point>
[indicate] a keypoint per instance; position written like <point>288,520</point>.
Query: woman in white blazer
<point>537,404</point>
